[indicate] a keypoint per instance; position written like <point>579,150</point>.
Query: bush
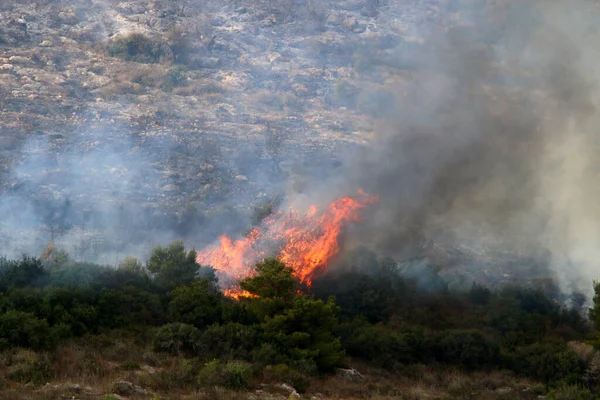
<point>176,338</point>
<point>284,373</point>
<point>138,48</point>
<point>570,392</point>
<point>550,363</point>
<point>233,375</point>
<point>230,341</point>
<point>29,367</point>
<point>198,304</point>
<point>23,329</point>
<point>470,349</point>
<point>386,347</point>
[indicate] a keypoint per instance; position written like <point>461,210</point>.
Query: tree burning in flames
<point>306,242</point>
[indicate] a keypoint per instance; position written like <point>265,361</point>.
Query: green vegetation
<point>172,311</point>
<point>140,48</point>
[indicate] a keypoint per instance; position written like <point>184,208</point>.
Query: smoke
<point>493,142</point>
<point>472,121</point>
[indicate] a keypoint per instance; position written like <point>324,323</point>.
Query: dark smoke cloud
<point>493,142</point>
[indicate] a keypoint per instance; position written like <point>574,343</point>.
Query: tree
<point>172,266</point>
<point>296,329</point>
<point>198,304</point>
<point>304,332</point>
<point>273,279</point>
<point>274,284</point>
<point>131,264</point>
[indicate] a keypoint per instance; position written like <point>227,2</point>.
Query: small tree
<point>172,266</point>
<point>131,264</point>
<point>274,285</point>
<point>198,304</point>
<point>296,329</point>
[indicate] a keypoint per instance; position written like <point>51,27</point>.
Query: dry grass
<point>87,368</point>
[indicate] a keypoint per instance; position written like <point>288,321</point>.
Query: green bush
<point>287,374</point>
<point>469,349</point>
<point>176,338</point>
<point>29,367</point>
<point>23,329</point>
<point>233,375</point>
<point>139,48</point>
<point>570,392</point>
<point>550,362</point>
<point>130,366</point>
<point>197,304</point>
<point>236,375</point>
<point>230,341</point>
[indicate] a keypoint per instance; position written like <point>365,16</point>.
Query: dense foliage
<point>382,315</point>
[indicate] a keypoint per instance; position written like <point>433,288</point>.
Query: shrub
<point>232,340</point>
<point>236,375</point>
<point>198,304</point>
<point>233,375</point>
<point>550,363</point>
<point>176,338</point>
<point>176,77</point>
<point>284,373</point>
<point>139,48</point>
<point>570,392</point>
<point>470,349</point>
<point>130,366</point>
<point>172,265</point>
<point>29,367</point>
<point>25,330</point>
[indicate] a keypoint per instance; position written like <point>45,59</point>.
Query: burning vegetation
<point>306,242</point>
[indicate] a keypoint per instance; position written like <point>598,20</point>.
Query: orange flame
<point>307,243</point>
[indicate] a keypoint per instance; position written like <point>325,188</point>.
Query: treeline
<point>377,314</point>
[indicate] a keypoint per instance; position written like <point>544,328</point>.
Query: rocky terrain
<point>238,102</point>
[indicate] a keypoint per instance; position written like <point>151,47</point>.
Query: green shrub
<point>233,375</point>
<point>29,367</point>
<point>570,392</point>
<point>550,363</point>
<point>130,366</point>
<point>197,304</point>
<point>176,338</point>
<point>470,349</point>
<point>230,341</point>
<point>176,77</point>
<point>236,375</point>
<point>25,330</point>
<point>287,374</point>
<point>139,48</point>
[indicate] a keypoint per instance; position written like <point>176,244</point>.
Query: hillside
<point>388,199</point>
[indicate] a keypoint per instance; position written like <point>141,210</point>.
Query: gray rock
<point>349,374</point>
<point>127,389</point>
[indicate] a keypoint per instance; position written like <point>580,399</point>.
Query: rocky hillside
<point>163,106</point>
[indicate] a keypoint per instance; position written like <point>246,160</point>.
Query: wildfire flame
<point>307,242</point>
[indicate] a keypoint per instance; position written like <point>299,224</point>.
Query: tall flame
<point>307,242</point>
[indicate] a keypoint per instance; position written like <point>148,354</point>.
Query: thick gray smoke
<point>493,142</point>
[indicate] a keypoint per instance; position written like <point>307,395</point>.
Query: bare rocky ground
<point>246,101</point>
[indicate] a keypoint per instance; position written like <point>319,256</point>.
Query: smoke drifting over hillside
<point>483,131</point>
<point>494,144</point>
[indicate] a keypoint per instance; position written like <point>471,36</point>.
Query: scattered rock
<point>19,60</point>
<point>350,23</point>
<point>349,374</point>
<point>127,389</point>
<point>504,390</point>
